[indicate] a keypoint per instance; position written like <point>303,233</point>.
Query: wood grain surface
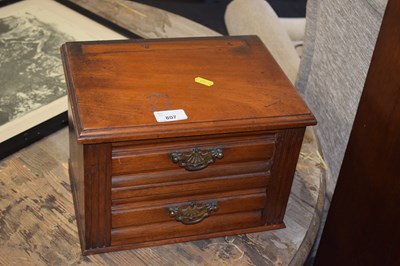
<point>114,88</point>
<point>38,227</point>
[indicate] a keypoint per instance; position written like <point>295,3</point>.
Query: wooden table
<point>37,221</point>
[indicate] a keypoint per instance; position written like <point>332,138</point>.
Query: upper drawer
<point>136,159</point>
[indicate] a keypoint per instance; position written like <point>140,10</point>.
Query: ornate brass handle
<point>193,213</point>
<point>196,160</point>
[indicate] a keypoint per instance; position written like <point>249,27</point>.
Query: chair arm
<point>248,17</point>
<point>295,28</point>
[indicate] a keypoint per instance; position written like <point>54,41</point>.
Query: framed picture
<point>33,101</point>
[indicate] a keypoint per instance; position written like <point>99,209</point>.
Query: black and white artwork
<point>31,71</point>
<point>32,83</point>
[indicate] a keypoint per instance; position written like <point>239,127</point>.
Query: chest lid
<point>222,84</point>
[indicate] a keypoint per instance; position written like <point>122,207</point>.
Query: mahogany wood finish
<point>90,174</point>
<point>362,225</point>
<point>124,180</point>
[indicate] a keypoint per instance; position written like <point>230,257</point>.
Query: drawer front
<point>136,159</point>
<point>199,215</point>
<point>147,172</point>
<point>187,188</point>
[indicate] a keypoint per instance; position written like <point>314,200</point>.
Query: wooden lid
<point>116,86</point>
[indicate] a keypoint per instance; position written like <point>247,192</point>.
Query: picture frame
<point>33,101</point>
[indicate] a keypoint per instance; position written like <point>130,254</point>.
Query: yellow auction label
<point>204,81</point>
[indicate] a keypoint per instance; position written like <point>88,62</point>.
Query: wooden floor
<point>37,221</point>
<point>38,227</point>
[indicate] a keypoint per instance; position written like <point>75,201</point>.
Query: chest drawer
<point>186,216</point>
<point>148,172</point>
<point>140,158</point>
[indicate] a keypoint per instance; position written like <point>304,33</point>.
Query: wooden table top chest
<point>179,139</point>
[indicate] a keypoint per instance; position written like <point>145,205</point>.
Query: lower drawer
<point>180,219</point>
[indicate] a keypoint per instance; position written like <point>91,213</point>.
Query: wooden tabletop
<point>37,220</point>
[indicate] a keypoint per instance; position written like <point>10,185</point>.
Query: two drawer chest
<point>175,140</point>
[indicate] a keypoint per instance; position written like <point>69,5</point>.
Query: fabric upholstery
<point>294,27</point>
<point>339,42</point>
<point>248,17</point>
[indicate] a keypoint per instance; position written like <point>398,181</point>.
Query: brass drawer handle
<point>193,213</point>
<point>197,159</point>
